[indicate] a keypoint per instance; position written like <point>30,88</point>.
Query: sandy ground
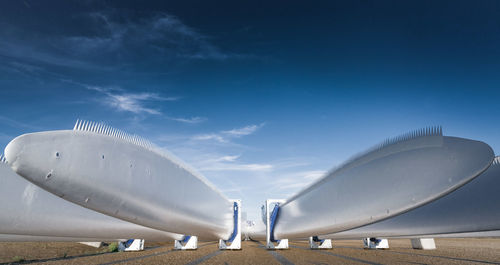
<point>449,251</point>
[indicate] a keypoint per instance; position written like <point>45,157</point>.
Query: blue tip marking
<point>185,239</point>
<point>128,243</point>
<point>316,239</point>
<point>235,230</point>
<point>274,217</point>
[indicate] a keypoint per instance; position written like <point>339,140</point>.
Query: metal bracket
<point>423,243</point>
<point>271,218</point>
<point>375,243</point>
<point>187,243</point>
<point>234,242</point>
<point>316,243</point>
<point>131,245</point>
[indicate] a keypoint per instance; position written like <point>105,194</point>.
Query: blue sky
<point>260,97</point>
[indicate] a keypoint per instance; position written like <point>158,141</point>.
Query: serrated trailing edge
<point>496,161</point>
<point>428,131</point>
<point>103,129</point>
<point>3,159</point>
<point>406,171</point>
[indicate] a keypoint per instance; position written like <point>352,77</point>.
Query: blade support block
<point>131,245</point>
<point>423,243</point>
<point>317,243</point>
<point>187,243</point>
<point>271,220</point>
<point>375,243</point>
<point>234,242</point>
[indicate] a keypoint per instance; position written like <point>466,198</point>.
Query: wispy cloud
<point>228,158</point>
<point>136,103</point>
<point>207,157</point>
<point>110,41</point>
<point>192,120</point>
<point>226,136</point>
<point>133,102</point>
<point>212,136</point>
<point>165,35</point>
<point>247,130</point>
<point>120,100</point>
<point>18,50</point>
<point>237,167</point>
<point>314,175</point>
<point>295,181</point>
<point>231,163</point>
<point>238,170</point>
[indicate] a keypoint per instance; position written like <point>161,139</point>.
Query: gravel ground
<point>449,251</point>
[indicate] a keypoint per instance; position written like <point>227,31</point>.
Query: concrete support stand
<point>234,243</point>
<point>375,243</point>
<point>271,217</point>
<point>92,244</point>
<point>188,243</point>
<point>282,244</point>
<point>314,243</point>
<point>423,243</point>
<point>131,245</point>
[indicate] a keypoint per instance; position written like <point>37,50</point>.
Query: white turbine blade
<point>402,175</point>
<point>32,211</point>
<point>171,196</point>
<point>472,207</point>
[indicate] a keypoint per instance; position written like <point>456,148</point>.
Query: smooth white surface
<point>474,207</point>
<point>423,243</point>
<point>115,176</point>
<point>495,233</point>
<point>92,244</point>
<point>30,238</point>
<point>403,175</point>
<point>30,210</point>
